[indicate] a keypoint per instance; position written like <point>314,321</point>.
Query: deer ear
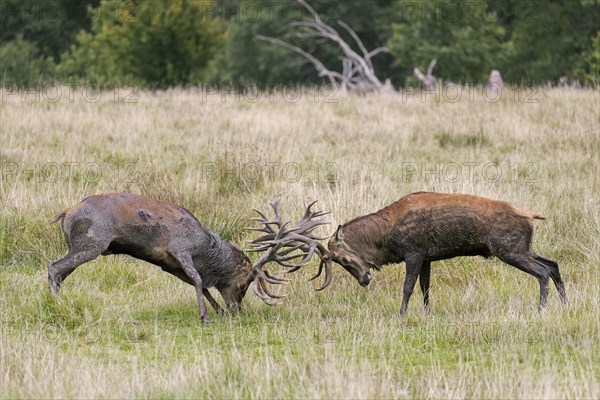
<point>339,234</point>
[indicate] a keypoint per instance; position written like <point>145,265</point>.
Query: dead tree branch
<point>357,74</point>
<point>427,80</point>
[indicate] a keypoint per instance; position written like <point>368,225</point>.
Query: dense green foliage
<point>152,43</point>
<point>552,40</point>
<point>162,43</point>
<point>51,25</point>
<point>467,47</point>
<point>35,33</point>
<point>530,42</point>
<point>20,61</point>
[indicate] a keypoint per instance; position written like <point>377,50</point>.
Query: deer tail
<point>529,214</point>
<point>60,215</point>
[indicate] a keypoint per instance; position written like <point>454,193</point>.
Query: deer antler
<point>284,244</point>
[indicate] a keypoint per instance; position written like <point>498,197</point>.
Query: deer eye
<point>345,260</point>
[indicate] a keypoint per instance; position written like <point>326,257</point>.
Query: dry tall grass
<point>122,328</point>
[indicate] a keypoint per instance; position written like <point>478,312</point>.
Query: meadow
<point>122,328</point>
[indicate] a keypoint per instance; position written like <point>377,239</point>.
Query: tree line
<point>165,43</point>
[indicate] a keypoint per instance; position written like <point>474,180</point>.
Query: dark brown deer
<point>170,237</point>
<point>424,227</point>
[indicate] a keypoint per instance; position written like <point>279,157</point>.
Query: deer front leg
<point>213,302</point>
<point>187,266</point>
<point>413,266</point>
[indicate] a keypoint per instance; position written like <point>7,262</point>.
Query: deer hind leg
<point>83,247</point>
<point>424,283</point>
<point>552,268</point>
<point>60,269</point>
<point>187,265</point>
<point>526,263</point>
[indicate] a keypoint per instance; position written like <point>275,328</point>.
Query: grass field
<point>122,328</point>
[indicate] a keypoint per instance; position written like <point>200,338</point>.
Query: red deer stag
<point>170,237</point>
<point>424,227</point>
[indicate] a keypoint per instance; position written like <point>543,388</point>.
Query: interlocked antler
<point>285,245</point>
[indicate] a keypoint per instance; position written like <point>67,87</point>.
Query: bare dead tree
<point>291,247</point>
<point>427,80</point>
<point>357,71</point>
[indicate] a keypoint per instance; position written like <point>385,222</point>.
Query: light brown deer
<point>169,236</point>
<point>424,227</point>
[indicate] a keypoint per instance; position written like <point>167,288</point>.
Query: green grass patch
<point>122,328</point>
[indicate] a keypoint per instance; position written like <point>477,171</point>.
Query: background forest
<point>165,43</point>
